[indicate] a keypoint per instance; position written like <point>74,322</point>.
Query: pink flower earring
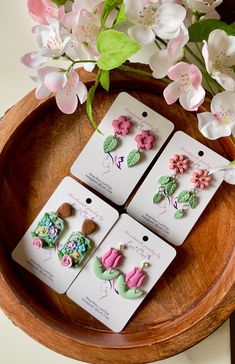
<point>128,287</point>
<point>144,141</point>
<point>201,180</point>
<point>121,128</point>
<point>168,184</point>
<point>104,268</point>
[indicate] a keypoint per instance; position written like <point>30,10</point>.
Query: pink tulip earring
<point>168,184</point>
<point>201,180</point>
<point>121,127</point>
<point>104,268</point>
<point>128,287</point>
<point>144,141</point>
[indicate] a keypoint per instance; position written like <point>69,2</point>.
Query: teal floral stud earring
<point>77,246</point>
<point>168,184</point>
<point>51,226</point>
<point>201,180</point>
<point>128,287</point>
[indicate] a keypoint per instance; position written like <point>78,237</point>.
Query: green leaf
<point>178,214</point>
<point>193,201</point>
<point>164,180</point>
<point>115,48</point>
<point>109,5</point>
<point>110,143</point>
<point>133,158</point>
<point>59,2</point>
<point>124,290</point>
<point>104,80</point>
<point>102,273</point>
<point>232,163</point>
<point>170,188</point>
<point>157,198</point>
<point>183,196</point>
<point>121,15</point>
<point>200,30</point>
<point>60,254</point>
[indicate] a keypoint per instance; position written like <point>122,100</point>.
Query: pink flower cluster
<point>201,179</point>
<point>145,140</point>
<point>121,125</point>
<point>111,258</point>
<point>179,163</point>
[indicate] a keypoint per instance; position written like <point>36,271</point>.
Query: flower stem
<point>161,40</point>
<point>157,44</point>
<point>140,72</point>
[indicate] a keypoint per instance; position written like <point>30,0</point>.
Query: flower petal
<point>223,101</point>
<point>229,175</point>
<point>141,34</point>
<point>171,17</point>
<point>192,98</point>
<point>159,63</point>
<point>195,75</point>
<point>42,92</point>
<point>171,93</point>
<point>55,81</point>
<point>67,102</point>
<point>81,92</point>
<point>175,72</point>
<point>210,127</point>
<point>33,60</point>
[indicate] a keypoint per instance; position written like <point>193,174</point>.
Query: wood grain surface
<point>38,144</point>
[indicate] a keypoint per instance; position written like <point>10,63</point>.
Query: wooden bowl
<point>38,144</point>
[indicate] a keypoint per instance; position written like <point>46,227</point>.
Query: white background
<point>15,346</point>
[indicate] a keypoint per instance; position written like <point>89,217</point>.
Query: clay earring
<point>201,180</point>
<point>128,287</point>
<point>144,141</point>
<point>77,246</point>
<point>121,127</point>
<point>104,267</point>
<point>168,184</point>
<point>50,227</point>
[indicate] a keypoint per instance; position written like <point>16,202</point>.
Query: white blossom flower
<point>220,121</point>
<point>163,59</point>
<point>202,6</point>
<point>219,56</point>
<point>150,19</point>
<point>51,41</point>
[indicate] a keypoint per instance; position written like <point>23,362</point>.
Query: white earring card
<point>160,216</point>
<point>45,263</point>
<point>112,301</point>
<point>108,173</point>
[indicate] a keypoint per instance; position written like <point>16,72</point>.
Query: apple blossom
<point>163,59</point>
<point>52,41</point>
<point>220,121</point>
<point>41,10</point>
<point>186,86</point>
<point>219,56</point>
<point>151,19</point>
<point>202,6</point>
<point>66,85</point>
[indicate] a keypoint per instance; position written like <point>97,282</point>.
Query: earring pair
<point>77,245</point>
<point>200,178</point>
<point>128,286</point>
<point>122,127</point>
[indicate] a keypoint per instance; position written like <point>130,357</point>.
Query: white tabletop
<point>15,346</point>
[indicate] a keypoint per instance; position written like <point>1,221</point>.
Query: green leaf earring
<point>188,198</point>
<point>121,127</point>
<point>144,141</point>
<point>168,184</point>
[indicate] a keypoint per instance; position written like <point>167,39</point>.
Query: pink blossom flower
<point>67,86</point>
<point>111,258</point>
<point>41,10</point>
<point>37,243</point>
<point>201,179</point>
<point>121,125</point>
<point>179,163</point>
<point>145,140</point>
<point>186,86</point>
<point>135,278</point>
<point>67,261</point>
